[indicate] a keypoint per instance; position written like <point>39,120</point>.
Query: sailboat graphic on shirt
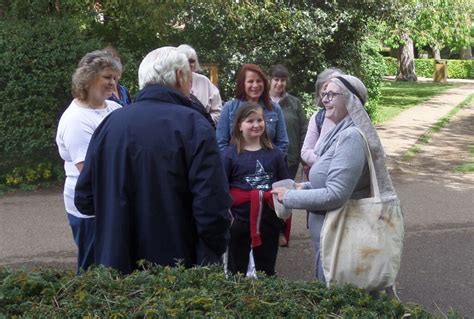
<point>260,180</point>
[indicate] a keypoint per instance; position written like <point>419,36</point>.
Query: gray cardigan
<point>340,173</point>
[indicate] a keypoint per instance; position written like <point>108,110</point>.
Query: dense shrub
<point>424,67</point>
<point>46,39</point>
<point>163,292</point>
<point>371,69</point>
<point>461,69</point>
<point>306,38</point>
<point>457,69</point>
<point>37,59</point>
<point>391,66</point>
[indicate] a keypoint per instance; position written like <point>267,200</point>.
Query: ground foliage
<point>157,292</point>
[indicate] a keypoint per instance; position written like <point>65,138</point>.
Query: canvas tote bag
<point>361,242</point>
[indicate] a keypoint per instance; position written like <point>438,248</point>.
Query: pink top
<point>208,94</point>
<point>312,139</point>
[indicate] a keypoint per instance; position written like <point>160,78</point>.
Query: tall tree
<point>397,27</point>
<point>433,23</point>
<point>442,23</point>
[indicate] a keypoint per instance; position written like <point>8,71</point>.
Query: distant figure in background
<point>295,117</point>
<point>319,124</point>
<point>296,125</point>
<point>93,82</point>
<point>120,94</point>
<point>203,89</point>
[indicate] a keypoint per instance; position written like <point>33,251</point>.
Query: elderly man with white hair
<point>157,187</point>
<point>202,88</point>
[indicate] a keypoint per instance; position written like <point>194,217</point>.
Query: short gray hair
<point>190,54</point>
<point>89,68</point>
<point>160,66</point>
<point>322,78</point>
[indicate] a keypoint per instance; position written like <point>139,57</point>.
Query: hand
<point>280,192</point>
<point>298,186</point>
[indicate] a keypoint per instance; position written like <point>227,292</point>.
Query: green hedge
<point>164,292</point>
<point>457,69</point>
<point>36,63</point>
<point>41,43</point>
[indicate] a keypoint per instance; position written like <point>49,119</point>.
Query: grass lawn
<point>398,96</point>
<point>469,166</point>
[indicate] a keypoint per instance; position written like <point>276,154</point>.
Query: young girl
<point>252,164</point>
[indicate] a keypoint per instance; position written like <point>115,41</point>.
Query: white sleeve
<point>76,138</point>
<point>215,103</point>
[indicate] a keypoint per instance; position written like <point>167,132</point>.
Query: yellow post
<point>213,72</point>
<point>441,72</point>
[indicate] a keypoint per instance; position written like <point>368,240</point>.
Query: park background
<point>41,42</point>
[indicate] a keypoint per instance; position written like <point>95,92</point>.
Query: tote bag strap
<point>374,186</point>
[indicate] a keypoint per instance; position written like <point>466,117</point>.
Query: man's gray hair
<point>190,54</point>
<point>160,66</point>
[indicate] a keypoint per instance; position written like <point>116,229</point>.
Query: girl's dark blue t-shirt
<point>253,170</point>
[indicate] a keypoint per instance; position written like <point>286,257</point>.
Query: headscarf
<point>356,95</point>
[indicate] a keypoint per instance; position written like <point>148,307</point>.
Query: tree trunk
<point>436,53</point>
<point>57,6</point>
<point>466,53</point>
<point>406,59</point>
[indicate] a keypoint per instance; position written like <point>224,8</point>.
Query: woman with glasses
<point>318,124</point>
<point>341,169</point>
<point>203,90</point>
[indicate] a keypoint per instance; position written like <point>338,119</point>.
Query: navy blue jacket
<point>154,179</point>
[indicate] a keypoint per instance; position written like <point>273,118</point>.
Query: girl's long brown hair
<point>244,111</point>
<point>240,84</point>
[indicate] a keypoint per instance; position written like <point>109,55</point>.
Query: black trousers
<point>264,256</point>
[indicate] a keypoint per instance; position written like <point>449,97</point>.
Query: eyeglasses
<point>329,95</point>
<point>191,61</point>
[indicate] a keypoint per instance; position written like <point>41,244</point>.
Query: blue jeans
<point>83,233</point>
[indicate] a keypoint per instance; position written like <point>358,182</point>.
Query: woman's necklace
<point>275,99</point>
<point>101,111</point>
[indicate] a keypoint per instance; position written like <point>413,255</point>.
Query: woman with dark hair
<point>252,86</point>
<point>295,117</point>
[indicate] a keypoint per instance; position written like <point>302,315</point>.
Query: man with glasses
<point>203,89</point>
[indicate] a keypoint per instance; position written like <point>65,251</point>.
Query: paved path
<point>403,131</point>
<point>437,266</point>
